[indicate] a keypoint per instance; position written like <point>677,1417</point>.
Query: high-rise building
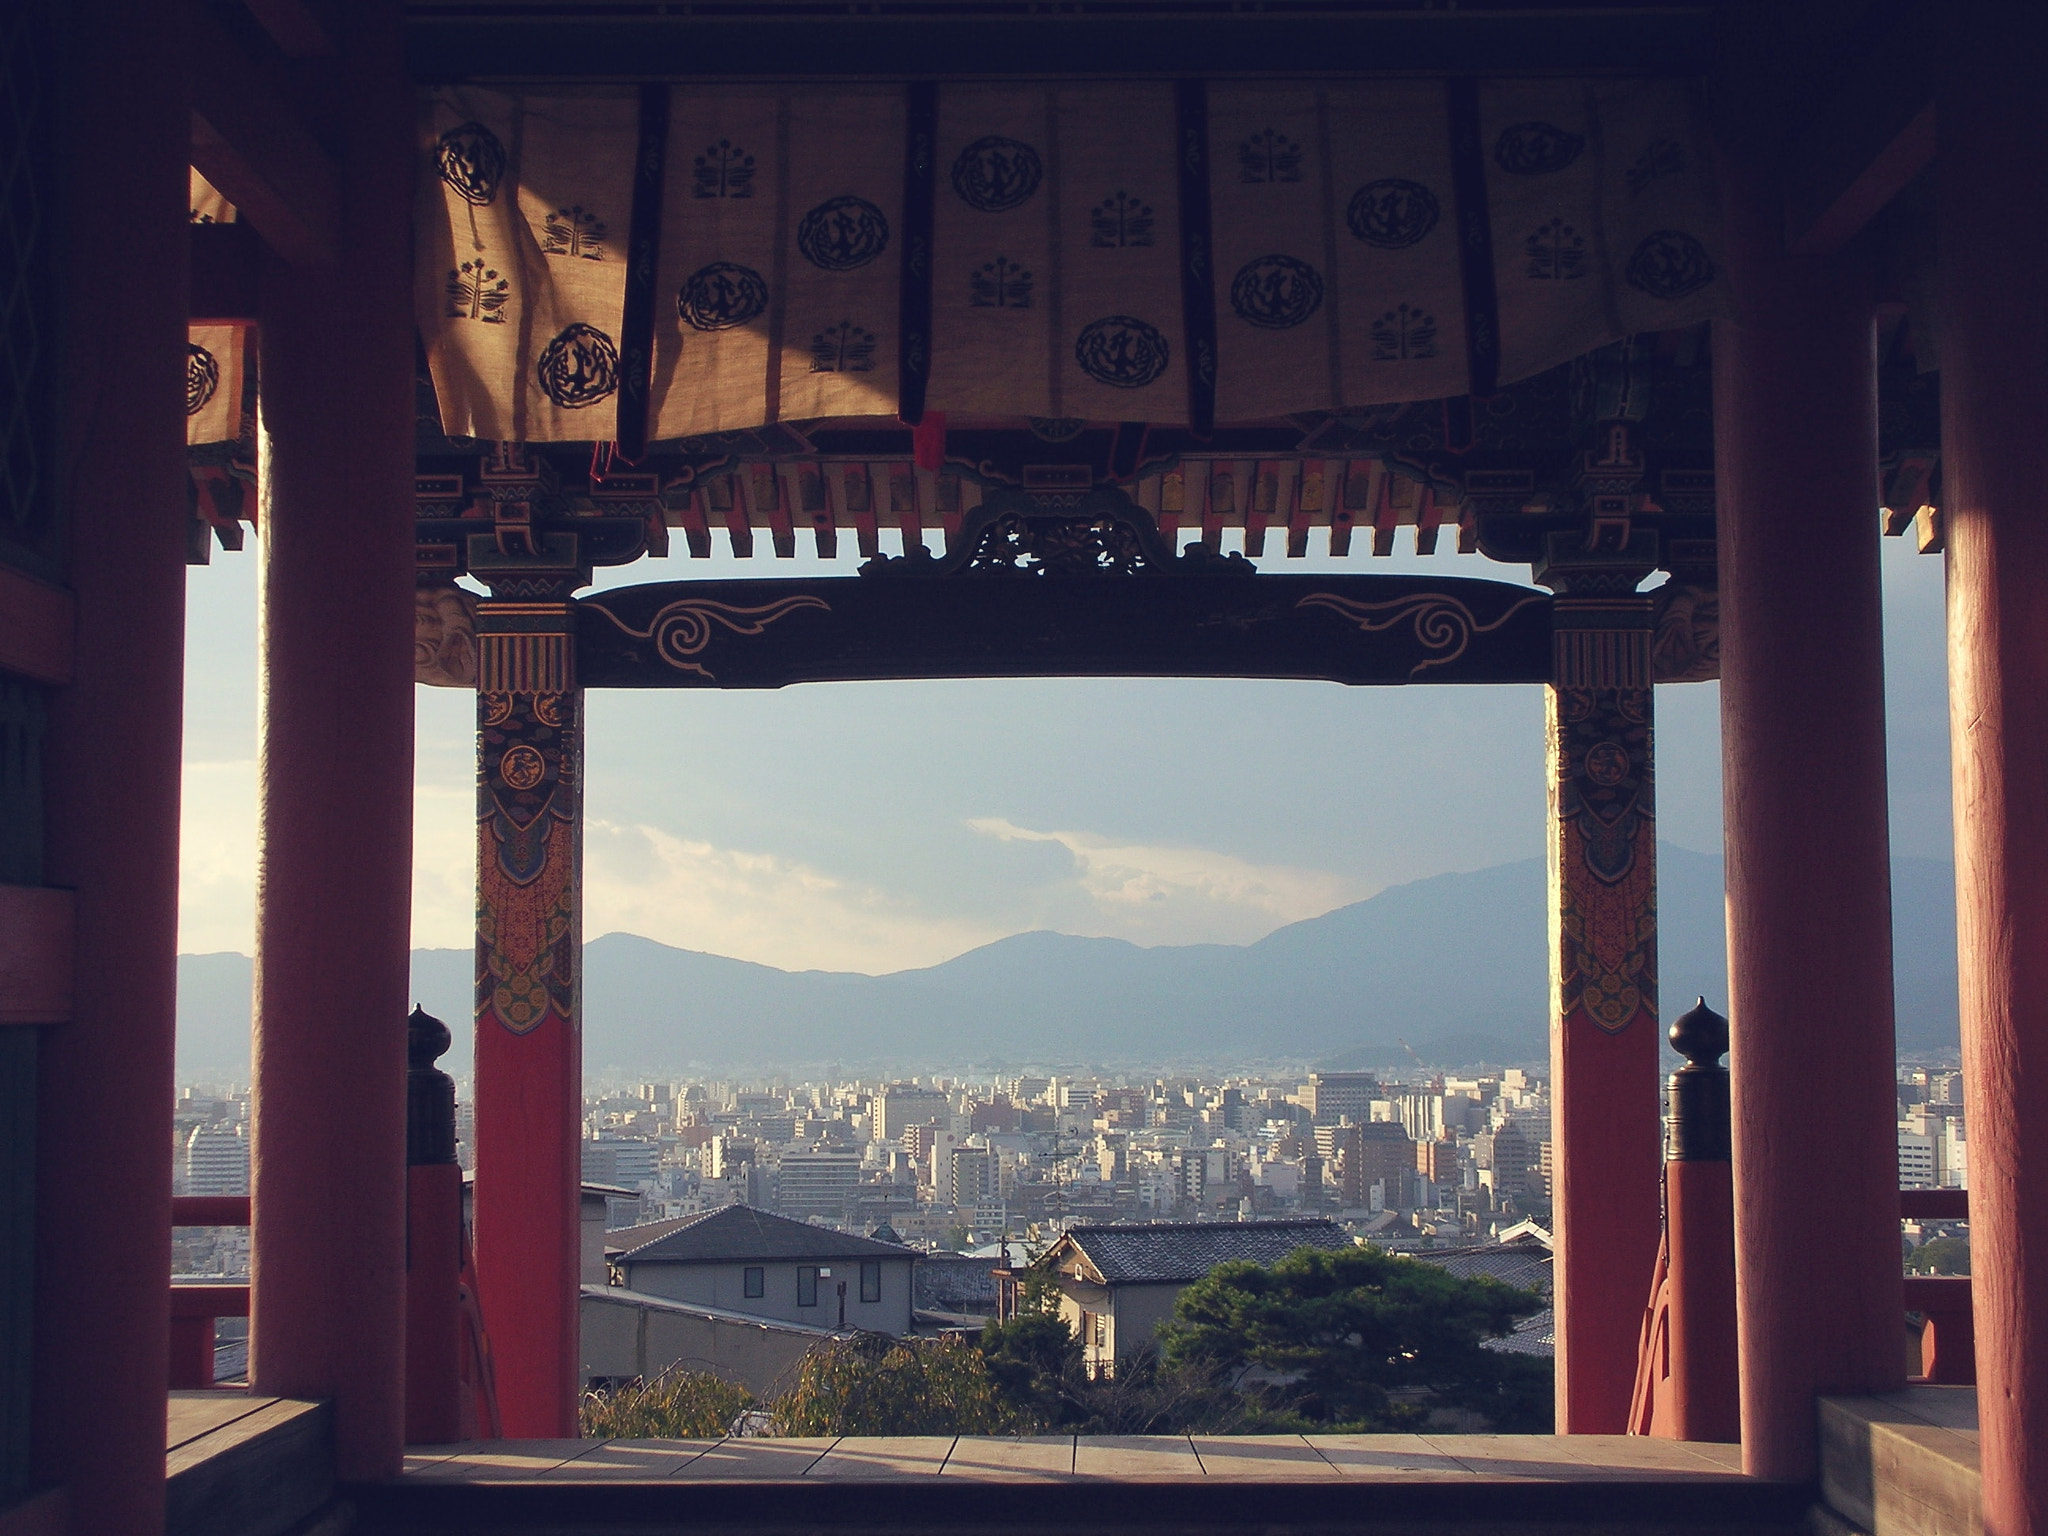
<point>1334,1097</point>
<point>902,1105</point>
<point>816,1181</point>
<point>216,1161</point>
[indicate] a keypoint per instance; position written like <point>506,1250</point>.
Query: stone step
<point>1903,1463</point>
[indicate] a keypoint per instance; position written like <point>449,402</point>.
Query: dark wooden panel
<point>1344,629</point>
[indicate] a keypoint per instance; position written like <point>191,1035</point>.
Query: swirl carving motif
<point>682,629</point>
<point>1442,624</point>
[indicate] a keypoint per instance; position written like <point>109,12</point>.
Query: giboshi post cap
<point>1700,1035</point>
<point>426,1037</point>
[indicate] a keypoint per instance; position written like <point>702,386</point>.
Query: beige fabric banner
<point>1056,248</point>
<point>215,359</point>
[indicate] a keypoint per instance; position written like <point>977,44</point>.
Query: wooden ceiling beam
<point>223,274</point>
<point>248,140</point>
<point>301,29</point>
<point>1871,132</point>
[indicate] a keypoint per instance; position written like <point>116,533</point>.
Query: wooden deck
<point>1078,1486</point>
<point>240,1465</point>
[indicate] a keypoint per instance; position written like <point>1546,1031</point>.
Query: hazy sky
<point>876,826</point>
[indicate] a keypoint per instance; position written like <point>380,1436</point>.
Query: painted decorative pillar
<point>116,487</point>
<point>529,959</point>
<point>1604,1032</point>
<point>1811,1061</point>
<point>1992,164</point>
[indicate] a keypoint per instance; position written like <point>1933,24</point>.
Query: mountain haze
<point>1454,966</point>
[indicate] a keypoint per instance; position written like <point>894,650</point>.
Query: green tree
<point>873,1384</point>
<point>1361,1338</point>
<point>1942,1256</point>
<point>676,1405</point>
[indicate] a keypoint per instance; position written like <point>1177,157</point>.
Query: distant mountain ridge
<point>1453,967</point>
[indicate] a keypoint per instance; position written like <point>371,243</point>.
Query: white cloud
<point>217,858</point>
<point>1153,893</point>
<point>756,906</point>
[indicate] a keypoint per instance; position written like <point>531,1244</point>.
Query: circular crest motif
<point>842,233</point>
<point>1536,149</point>
<point>1669,264</point>
<point>522,767</point>
<point>722,296</point>
<point>1121,352</point>
<point>1606,763</point>
<point>202,378</point>
<point>1276,292</point>
<point>580,367</point>
<point>996,174</point>
<point>1392,214</point>
<point>472,162</point>
<point>1057,429</point>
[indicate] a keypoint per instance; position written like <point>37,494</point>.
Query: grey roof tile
<point>738,1234</point>
<point>1162,1252</point>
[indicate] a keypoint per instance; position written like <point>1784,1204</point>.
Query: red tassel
<point>928,440</point>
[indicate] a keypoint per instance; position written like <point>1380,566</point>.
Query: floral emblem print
<point>1391,214</point>
<point>1276,292</point>
<point>721,297</point>
<point>842,233</point>
<point>996,174</point>
<point>843,348</point>
<point>1120,351</point>
<point>1403,334</point>
<point>580,367</point>
<point>476,292</point>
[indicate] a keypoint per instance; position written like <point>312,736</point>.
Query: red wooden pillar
<point>1993,167</point>
<point>1808,852</point>
<point>1604,1033</point>
<point>335,785</point>
<point>529,956</point>
<point>116,481</point>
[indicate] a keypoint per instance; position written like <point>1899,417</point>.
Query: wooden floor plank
<point>1654,1457</point>
<point>498,1461</point>
<point>630,1460</point>
<point>758,1460</point>
<point>1026,1458</point>
<point>269,1415</point>
<point>886,1456</point>
<point>1525,1458</point>
<point>200,1411</point>
<point>1389,1458</point>
<point>1260,1458</point>
<point>1135,1457</point>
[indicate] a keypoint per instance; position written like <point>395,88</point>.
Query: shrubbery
<point>1350,1339</point>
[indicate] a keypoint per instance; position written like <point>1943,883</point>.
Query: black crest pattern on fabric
<point>1268,157</point>
<point>579,368</point>
<point>1120,351</point>
<point>999,284</point>
<point>723,170</point>
<point>1663,157</point>
<point>1555,253</point>
<point>843,348</point>
<point>477,292</point>
<point>1121,220</point>
<point>1403,334</point>
<point>1669,264</point>
<point>1276,292</point>
<point>1392,214</point>
<point>575,232</point>
<point>721,297</point>
<point>1057,429</point>
<point>1536,149</point>
<point>202,377</point>
<point>842,233</point>
<point>472,162</point>
<point>996,174</point>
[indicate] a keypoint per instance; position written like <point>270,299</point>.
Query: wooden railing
<point>1948,1338</point>
<point>195,1309</point>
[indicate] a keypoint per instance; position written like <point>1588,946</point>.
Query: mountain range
<point>1449,971</point>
